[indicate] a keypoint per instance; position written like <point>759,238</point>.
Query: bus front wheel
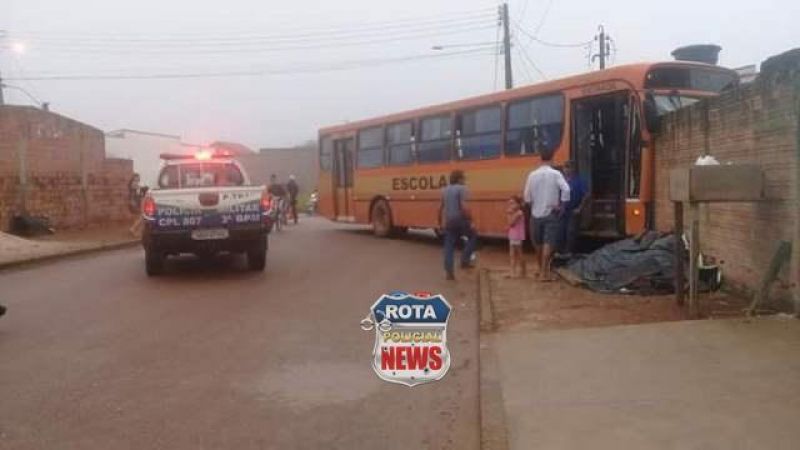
<point>381,215</point>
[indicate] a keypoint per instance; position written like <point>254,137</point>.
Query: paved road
<point>96,356</point>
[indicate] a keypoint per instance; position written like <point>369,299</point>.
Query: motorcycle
<point>279,218</point>
<point>311,206</point>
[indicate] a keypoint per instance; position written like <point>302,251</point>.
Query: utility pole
<point>506,45</point>
<point>603,45</point>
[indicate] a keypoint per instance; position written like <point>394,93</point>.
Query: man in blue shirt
<point>571,219</point>
<point>455,219</point>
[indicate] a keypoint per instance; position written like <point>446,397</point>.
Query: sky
<point>282,70</point>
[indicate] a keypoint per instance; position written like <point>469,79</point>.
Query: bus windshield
<point>708,79</point>
<point>664,104</point>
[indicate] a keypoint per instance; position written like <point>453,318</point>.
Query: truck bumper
<point>239,239</point>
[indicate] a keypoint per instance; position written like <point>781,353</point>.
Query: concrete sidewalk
<point>15,250</point>
<point>721,384</point>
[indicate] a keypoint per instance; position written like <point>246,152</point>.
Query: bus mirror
<point>651,116</point>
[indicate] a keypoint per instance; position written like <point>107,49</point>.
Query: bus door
<point>638,206</point>
<point>600,140</point>
<point>343,179</point>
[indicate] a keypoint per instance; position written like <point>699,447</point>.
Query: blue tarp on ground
<point>643,265</point>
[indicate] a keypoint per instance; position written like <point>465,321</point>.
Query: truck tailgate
<point>207,207</point>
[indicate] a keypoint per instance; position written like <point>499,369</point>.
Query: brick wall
<point>757,123</point>
<point>56,167</point>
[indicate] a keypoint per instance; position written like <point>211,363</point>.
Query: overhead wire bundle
<point>322,40</point>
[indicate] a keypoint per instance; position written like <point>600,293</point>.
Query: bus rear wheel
<point>382,225</point>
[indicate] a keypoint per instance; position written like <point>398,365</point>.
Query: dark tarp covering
<point>644,265</point>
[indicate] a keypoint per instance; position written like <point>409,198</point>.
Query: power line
<point>240,34</point>
<point>523,10</point>
<point>551,44</point>
<point>260,72</point>
<point>524,66</point>
<point>530,60</point>
<point>543,18</point>
<point>24,91</point>
<point>318,44</point>
<point>21,72</point>
<point>276,40</point>
<point>272,39</point>
<point>239,37</point>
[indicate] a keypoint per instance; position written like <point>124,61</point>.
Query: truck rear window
<point>200,175</point>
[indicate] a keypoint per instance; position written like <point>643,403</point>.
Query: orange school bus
<point>387,171</point>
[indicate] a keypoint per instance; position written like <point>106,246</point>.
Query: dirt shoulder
<point>527,304</point>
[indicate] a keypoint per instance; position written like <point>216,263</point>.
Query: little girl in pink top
<point>516,234</point>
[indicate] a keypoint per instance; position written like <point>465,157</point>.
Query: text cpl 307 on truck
<point>204,205</point>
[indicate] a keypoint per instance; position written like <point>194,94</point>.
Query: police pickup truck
<point>204,204</point>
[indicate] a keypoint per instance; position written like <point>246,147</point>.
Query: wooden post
<point>783,255</point>
<point>679,255</point>
<point>694,254</point>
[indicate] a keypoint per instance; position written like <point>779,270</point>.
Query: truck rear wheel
<point>153,262</point>
<point>257,255</point>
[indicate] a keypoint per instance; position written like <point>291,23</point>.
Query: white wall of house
<point>145,148</point>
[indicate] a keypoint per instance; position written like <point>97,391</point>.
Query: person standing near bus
<point>570,219</point>
<point>135,197</point>
<point>293,189</point>
<point>546,191</point>
<point>455,219</point>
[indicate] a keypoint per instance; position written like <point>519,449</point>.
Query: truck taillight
<point>265,201</point>
<point>148,207</point>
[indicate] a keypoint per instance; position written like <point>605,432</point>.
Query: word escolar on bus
<point>414,183</point>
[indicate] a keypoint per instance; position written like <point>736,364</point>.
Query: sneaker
<point>2,310</point>
<point>450,276</point>
<point>468,265</point>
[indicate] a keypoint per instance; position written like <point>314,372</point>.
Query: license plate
<point>207,235</point>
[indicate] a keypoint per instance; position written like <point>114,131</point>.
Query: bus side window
<point>535,125</point>
<point>326,154</point>
<point>400,143</point>
<point>370,147</point>
<point>479,133</point>
<point>435,141</point>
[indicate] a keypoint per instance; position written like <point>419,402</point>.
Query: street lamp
<point>28,94</point>
<point>18,47</point>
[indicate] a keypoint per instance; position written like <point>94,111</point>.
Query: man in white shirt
<point>546,191</point>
